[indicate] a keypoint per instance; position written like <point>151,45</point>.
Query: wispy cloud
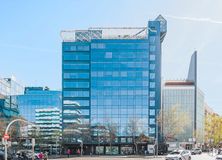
<point>24,47</point>
<point>208,20</point>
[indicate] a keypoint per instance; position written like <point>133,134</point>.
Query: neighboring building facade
<point>182,94</point>
<point>37,98</point>
<point>209,110</point>
<point>9,89</point>
<point>190,100</point>
<point>113,75</point>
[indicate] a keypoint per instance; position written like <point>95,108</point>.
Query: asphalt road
<point>203,156</point>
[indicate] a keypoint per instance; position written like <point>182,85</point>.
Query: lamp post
<point>6,136</point>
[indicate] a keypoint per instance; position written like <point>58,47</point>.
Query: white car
<point>219,157</point>
<point>179,155</point>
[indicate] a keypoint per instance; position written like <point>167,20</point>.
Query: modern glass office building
<point>37,98</point>
<point>113,75</point>
<point>182,94</point>
<point>190,101</point>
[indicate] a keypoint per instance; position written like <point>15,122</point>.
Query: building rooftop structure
<point>112,32</point>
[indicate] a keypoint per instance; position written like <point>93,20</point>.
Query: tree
<point>2,126</point>
<point>173,122</point>
<point>111,132</point>
<point>142,138</point>
<point>213,129</point>
<point>133,129</point>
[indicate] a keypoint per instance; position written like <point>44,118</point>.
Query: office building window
<point>152,75</point>
<point>76,66</point>
<point>152,121</point>
<point>98,45</point>
<point>76,85</point>
<point>152,48</point>
<point>152,39</point>
<point>152,94</point>
<point>152,103</point>
<point>152,112</point>
<point>152,57</point>
<point>152,66</point>
<point>76,75</point>
<point>108,55</point>
<point>152,130</point>
<point>152,84</point>
<point>76,93</point>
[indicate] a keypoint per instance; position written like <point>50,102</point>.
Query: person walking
<point>78,152</point>
<point>68,152</point>
<point>40,155</point>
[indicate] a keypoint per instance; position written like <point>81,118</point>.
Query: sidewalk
<point>118,157</point>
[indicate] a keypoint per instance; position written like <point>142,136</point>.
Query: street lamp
<point>6,136</point>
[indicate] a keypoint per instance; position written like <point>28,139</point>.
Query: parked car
<point>179,155</point>
<point>196,151</point>
<point>219,157</point>
<point>25,154</point>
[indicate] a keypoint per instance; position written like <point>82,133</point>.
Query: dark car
<point>25,155</point>
<point>196,151</point>
<point>2,155</point>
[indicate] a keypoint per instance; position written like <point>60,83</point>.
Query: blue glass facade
<point>9,88</point>
<point>37,98</point>
<point>113,79</point>
<point>8,107</point>
<point>120,83</point>
<point>76,84</point>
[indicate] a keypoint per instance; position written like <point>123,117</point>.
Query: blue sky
<point>30,43</point>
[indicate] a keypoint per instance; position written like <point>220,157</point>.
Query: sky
<point>30,42</point>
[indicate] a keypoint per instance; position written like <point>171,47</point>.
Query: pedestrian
<point>40,155</point>
<point>145,152</point>
<point>68,152</point>
<point>78,151</point>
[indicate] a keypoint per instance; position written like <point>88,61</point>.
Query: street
<point>203,156</point>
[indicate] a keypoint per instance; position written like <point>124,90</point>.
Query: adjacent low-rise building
<point>190,102</point>
<point>9,89</point>
<point>38,98</point>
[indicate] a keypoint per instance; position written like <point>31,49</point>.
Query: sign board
<point>6,136</point>
<point>150,149</point>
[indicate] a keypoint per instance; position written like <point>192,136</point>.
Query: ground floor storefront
<point>105,149</point>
